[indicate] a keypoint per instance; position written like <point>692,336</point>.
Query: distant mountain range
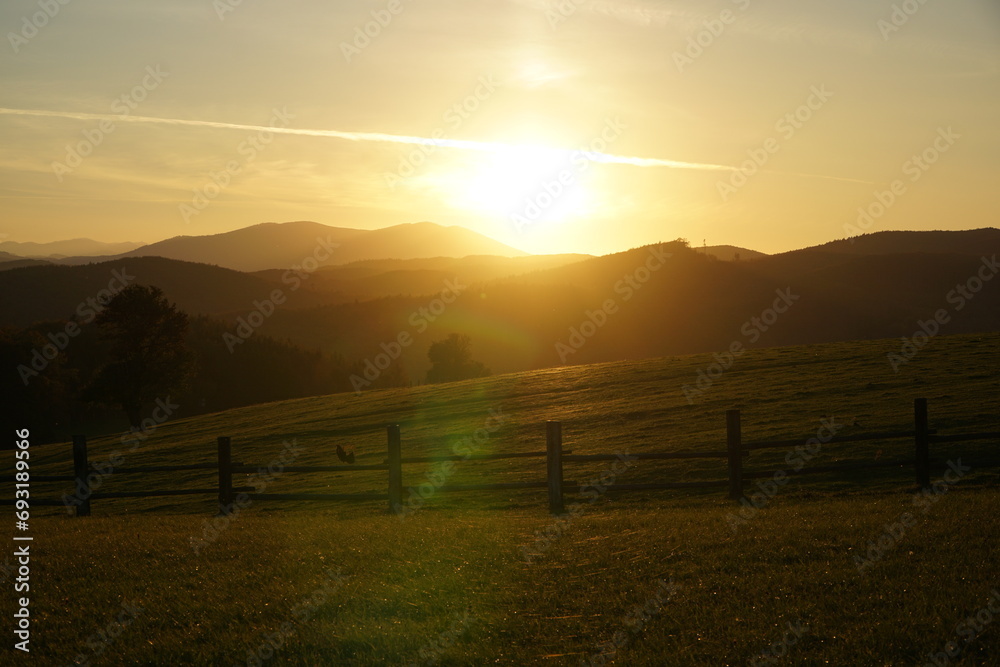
<point>278,246</point>
<point>61,249</point>
<point>273,245</point>
<point>692,303</point>
<point>517,309</point>
<point>45,292</point>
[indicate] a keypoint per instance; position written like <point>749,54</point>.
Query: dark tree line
<point>139,350</point>
<point>61,378</point>
<point>451,360</point>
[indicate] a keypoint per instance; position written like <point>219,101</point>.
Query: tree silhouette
<point>451,360</point>
<point>148,356</point>
<point>39,400</point>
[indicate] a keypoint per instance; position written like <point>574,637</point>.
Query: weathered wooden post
<point>922,461</point>
<point>81,468</point>
<point>395,470</point>
<point>734,445</point>
<point>225,476</point>
<point>553,447</point>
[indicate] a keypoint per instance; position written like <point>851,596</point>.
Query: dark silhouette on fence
<point>735,454</point>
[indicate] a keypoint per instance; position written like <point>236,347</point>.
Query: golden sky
<point>574,126</point>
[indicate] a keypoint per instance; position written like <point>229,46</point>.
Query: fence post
<point>81,469</point>
<point>734,445</point>
<point>225,475</point>
<point>922,461</point>
<point>553,448</point>
<point>395,470</point>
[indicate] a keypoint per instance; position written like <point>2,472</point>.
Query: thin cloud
<point>461,144</point>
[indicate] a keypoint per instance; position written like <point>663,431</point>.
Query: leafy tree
<point>451,360</point>
<point>148,355</point>
<point>262,369</point>
<point>32,399</point>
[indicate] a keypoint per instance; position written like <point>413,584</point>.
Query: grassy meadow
<point>834,569</point>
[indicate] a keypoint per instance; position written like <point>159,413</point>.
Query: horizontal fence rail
<point>648,456</point>
<point>859,437</point>
<point>736,453</point>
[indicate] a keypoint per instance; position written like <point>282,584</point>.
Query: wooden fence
<point>735,454</point>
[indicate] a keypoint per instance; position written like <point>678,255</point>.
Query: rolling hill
<point>966,242</point>
<point>71,247</point>
<point>534,312</point>
<point>51,292</point>
<point>692,303</point>
<point>373,279</point>
<point>539,589</point>
<point>11,261</point>
<point>273,245</point>
<point>42,291</point>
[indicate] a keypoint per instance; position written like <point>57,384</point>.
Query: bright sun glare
<point>528,183</point>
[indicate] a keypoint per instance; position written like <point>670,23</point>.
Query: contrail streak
<point>462,144</point>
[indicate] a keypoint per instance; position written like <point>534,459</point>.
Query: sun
<point>526,184</point>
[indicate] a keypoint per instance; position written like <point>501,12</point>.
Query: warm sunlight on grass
<point>451,586</point>
<point>526,332</point>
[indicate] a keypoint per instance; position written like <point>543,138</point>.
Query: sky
<point>575,126</point>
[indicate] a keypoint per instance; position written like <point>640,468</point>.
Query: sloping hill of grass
<point>635,406</point>
<point>832,570</point>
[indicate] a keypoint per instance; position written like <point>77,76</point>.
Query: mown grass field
<point>451,582</point>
